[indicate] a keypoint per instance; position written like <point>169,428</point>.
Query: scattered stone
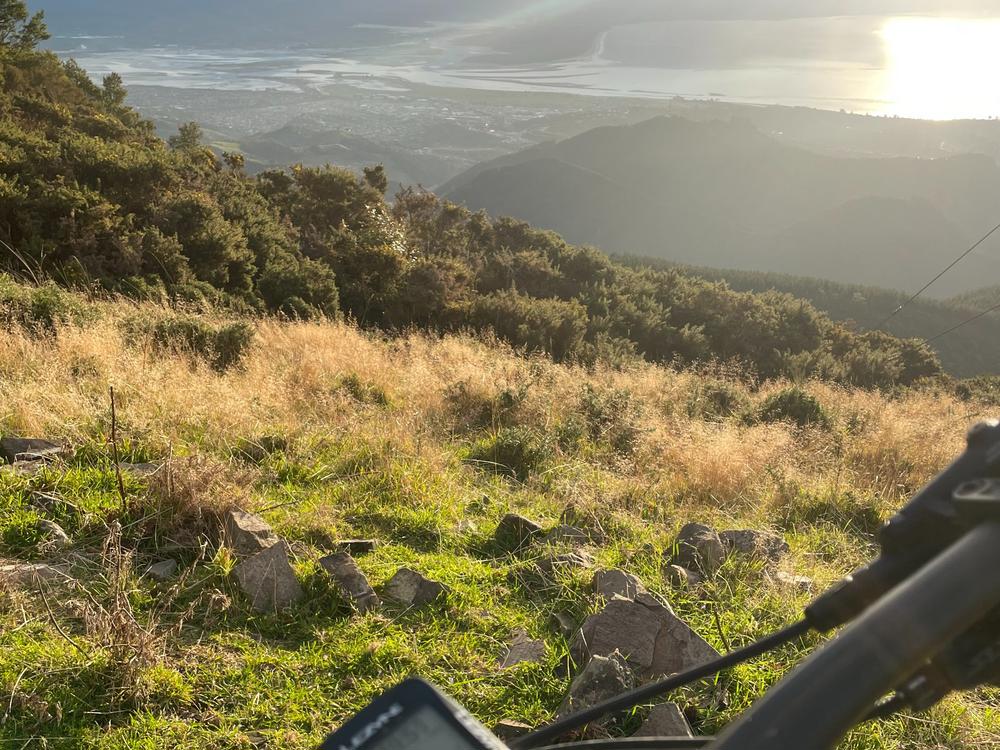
<point>681,578</point>
<point>653,639</point>
<point>268,579</point>
<point>802,584</point>
<point>573,516</point>
<point>514,532</point>
<point>523,649</point>
<point>580,559</point>
<point>564,534</point>
<point>665,720</point>
<point>163,570</point>
<point>350,581</point>
<point>356,546</point>
<point>27,574</point>
<point>612,583</point>
<point>24,468</point>
<point>55,537</point>
<point>32,449</point>
<point>602,678</point>
<point>247,534</point>
<point>141,470</point>
<point>508,731</point>
<point>765,545</point>
<point>699,548</point>
<point>412,589</point>
<point>466,526</point>
<point>565,622</point>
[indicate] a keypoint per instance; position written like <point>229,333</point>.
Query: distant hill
<point>967,352</point>
<point>724,194</point>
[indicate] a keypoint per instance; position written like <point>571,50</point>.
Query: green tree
<point>189,136</point>
<point>377,178</point>
<point>113,91</point>
<point>18,29</point>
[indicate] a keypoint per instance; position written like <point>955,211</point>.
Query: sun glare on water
<point>942,68</point>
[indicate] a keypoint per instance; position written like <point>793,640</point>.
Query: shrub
<point>39,308</point>
<point>612,417</point>
<point>223,346</point>
<point>716,400</point>
<point>364,392</point>
<point>516,452</point>
<point>793,405</point>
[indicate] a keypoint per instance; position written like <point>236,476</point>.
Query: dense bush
<point>39,308</point>
<point>793,405</point>
<point>516,452</point>
<point>222,345</point>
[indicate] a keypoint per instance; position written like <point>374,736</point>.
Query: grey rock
<point>28,574</point>
<point>765,545</point>
<point>268,579</point>
<point>412,589</point>
<point>508,731</point>
<point>24,468</point>
<point>55,537</point>
<point>32,449</point>
<point>350,581</point>
<point>681,578</point>
<point>563,534</point>
<point>580,559</point>
<point>515,532</point>
<point>356,546</point>
<point>247,534</point>
<point>652,638</point>
<point>565,622</point>
<point>802,584</point>
<point>602,678</point>
<point>699,548</point>
<point>163,570</point>
<point>665,720</point>
<point>612,583</point>
<point>523,649</point>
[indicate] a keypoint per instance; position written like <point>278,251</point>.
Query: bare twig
<point>13,693</point>
<point>57,626</point>
<point>114,450</point>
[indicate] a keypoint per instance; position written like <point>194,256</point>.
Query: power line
<point>928,285</point>
<point>964,323</point>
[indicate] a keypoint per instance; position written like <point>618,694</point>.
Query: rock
<point>699,548</point>
<point>412,589</point>
<point>141,470</point>
<point>24,468</point>
<point>564,534</point>
<point>765,545</point>
<point>247,534</point>
<point>565,622</point>
<point>508,731</point>
<point>514,532</point>
<point>351,582</point>
<point>580,559</point>
<point>32,449</point>
<point>268,579</point>
<point>356,546</point>
<point>522,650</point>
<point>55,537</point>
<point>467,526</point>
<point>681,578</point>
<point>28,574</point>
<point>802,584</point>
<point>163,570</point>
<point>665,720</point>
<point>602,678</point>
<point>652,638</point>
<point>612,583</point>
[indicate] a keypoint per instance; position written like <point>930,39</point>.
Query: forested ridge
<point>91,198</point>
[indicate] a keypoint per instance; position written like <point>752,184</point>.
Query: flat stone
<point>514,532</point>
<point>350,581</point>
<point>268,579</point>
<point>141,470</point>
<point>579,560</point>
<point>699,548</point>
<point>523,649</point>
<point>563,534</point>
<point>654,640</point>
<point>356,546</point>
<point>508,731</point>
<point>602,677</point>
<point>665,720</point>
<point>612,583</point>
<point>247,534</point>
<point>802,584</point>
<point>28,574</point>
<point>764,545</point>
<point>681,578</point>
<point>24,468</point>
<point>566,623</point>
<point>163,570</point>
<point>55,537</point>
<point>32,449</point>
<point>412,589</point>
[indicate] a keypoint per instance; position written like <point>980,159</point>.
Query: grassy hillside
<point>329,431</point>
<point>965,353</point>
<point>725,194</point>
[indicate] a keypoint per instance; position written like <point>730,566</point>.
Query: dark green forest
<point>92,199</point>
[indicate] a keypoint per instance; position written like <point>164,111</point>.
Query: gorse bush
<point>517,452</point>
<point>793,405</point>
<point>612,418</point>
<point>39,308</point>
<point>222,345</point>
<point>714,399</point>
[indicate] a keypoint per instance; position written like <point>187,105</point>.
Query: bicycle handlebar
<point>829,693</point>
